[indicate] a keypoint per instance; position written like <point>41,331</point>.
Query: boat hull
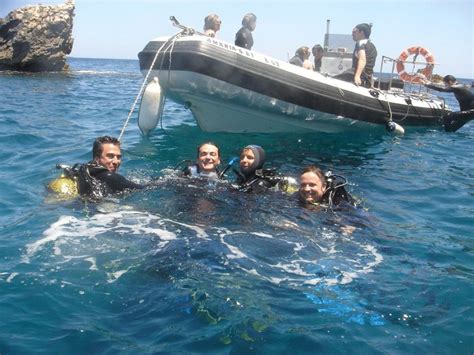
<point>230,89</point>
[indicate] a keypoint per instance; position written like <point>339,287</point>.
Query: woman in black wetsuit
<point>252,175</point>
<point>455,120</point>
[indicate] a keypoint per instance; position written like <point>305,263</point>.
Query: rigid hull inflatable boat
<point>231,89</point>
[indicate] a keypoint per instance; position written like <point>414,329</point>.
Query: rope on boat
<point>140,92</point>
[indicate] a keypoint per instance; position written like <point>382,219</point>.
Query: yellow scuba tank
<point>66,184</point>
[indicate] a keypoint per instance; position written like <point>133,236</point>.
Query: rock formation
<point>37,38</point>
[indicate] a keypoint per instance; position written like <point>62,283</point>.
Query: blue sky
<point>121,28</point>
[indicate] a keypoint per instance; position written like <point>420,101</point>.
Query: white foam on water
<point>12,276</point>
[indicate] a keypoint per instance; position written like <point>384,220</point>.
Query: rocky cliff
<point>37,38</point>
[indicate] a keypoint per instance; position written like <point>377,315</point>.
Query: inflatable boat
<point>231,89</point>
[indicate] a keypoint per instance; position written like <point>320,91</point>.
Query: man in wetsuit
<point>317,188</point>
<point>243,37</point>
<point>455,120</point>
<point>208,160</point>
<point>99,177</point>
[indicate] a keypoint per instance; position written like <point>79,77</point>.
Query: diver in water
<point>455,120</point>
<point>99,177</point>
<point>208,160</point>
<point>318,188</point>
<point>252,177</point>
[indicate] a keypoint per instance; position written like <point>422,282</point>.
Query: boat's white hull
<point>222,107</point>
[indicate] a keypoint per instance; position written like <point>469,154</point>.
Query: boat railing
<point>418,85</point>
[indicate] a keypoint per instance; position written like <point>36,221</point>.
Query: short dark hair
<point>99,141</point>
<point>315,170</point>
<point>366,28</point>
<point>449,78</point>
<point>248,18</point>
<point>210,143</point>
<point>317,47</point>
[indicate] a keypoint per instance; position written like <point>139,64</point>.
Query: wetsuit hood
<point>259,154</point>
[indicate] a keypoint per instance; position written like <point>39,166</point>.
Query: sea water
<point>190,267</point>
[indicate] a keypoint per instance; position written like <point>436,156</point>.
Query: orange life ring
<point>415,78</point>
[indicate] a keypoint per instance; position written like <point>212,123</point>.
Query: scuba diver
<point>98,178</point>
<point>251,176</point>
<point>318,188</point>
<point>243,38</point>
<point>208,160</point>
<point>455,120</point>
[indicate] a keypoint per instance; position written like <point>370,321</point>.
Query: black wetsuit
<point>244,38</point>
<point>95,181</point>
<point>258,180</point>
<point>455,120</point>
<point>366,75</point>
<point>317,64</point>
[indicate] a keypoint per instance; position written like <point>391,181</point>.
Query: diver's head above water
<point>106,152</point>
<point>312,185</point>
<point>252,157</point>
<point>208,157</point>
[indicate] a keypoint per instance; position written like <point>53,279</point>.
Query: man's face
<point>111,157</point>
<point>208,158</point>
<point>357,35</point>
<point>311,188</point>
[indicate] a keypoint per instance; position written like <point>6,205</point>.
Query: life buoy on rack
<point>415,77</point>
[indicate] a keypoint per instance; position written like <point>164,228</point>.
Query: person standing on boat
<point>301,58</point>
<point>318,53</point>
<point>208,160</point>
<point>244,38</point>
<point>455,120</point>
<point>212,24</point>
<point>364,56</point>
<point>99,177</point>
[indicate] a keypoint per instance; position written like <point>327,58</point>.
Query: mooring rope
<point>172,40</point>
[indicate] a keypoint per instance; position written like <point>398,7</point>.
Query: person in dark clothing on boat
<point>301,58</point>
<point>243,37</point>
<point>99,178</point>
<point>318,53</point>
<point>363,58</point>
<point>208,160</point>
<point>455,120</point>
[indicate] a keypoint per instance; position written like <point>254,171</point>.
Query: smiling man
<point>208,160</point>
<point>99,177</point>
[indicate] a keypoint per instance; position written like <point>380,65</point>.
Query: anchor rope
<point>172,40</point>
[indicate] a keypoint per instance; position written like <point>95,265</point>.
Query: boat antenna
<point>326,36</point>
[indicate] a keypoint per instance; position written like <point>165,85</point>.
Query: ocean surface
<point>185,267</point>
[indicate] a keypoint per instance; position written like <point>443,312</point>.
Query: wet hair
<point>366,28</point>
<point>449,78</point>
<point>210,143</point>
<point>211,21</point>
<point>315,170</point>
<point>99,142</point>
<point>317,47</point>
<point>248,18</point>
<point>302,52</point>
<point>259,154</point>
